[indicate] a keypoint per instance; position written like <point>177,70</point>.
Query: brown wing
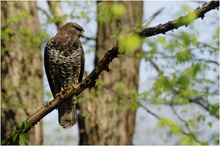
<point>48,70</point>
<point>82,66</point>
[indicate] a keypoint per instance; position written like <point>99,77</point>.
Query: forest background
<point>164,87</point>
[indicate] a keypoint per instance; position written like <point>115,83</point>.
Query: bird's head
<point>79,29</point>
<point>73,27</point>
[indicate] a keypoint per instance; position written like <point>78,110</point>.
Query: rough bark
<point>21,63</point>
<point>106,118</point>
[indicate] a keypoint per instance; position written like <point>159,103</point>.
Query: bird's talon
<point>62,93</point>
<point>58,94</point>
<point>74,86</point>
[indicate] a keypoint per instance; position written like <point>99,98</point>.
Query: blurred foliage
<point>186,74</point>
<point>55,18</point>
<point>128,43</point>
<point>32,41</point>
<point>23,35</point>
<point>109,12</point>
<point>19,136</point>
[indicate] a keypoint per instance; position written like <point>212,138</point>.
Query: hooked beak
<point>82,34</point>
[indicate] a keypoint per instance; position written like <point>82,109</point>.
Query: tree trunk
<point>22,86</point>
<point>106,116</point>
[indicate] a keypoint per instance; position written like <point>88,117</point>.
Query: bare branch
<point>208,61</point>
<point>187,127</point>
<point>89,38</point>
<point>154,16</point>
<point>44,12</point>
<point>207,45</point>
<point>155,65</point>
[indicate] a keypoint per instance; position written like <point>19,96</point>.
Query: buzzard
<point>64,66</point>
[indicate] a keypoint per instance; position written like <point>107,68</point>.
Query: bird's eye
<point>78,29</point>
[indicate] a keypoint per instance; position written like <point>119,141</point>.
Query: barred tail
<point>67,113</point>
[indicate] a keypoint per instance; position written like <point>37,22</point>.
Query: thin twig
<point>187,127</point>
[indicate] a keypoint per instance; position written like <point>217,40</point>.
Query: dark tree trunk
<point>106,116</point>
<point>21,64</point>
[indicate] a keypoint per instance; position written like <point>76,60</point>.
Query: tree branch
<point>208,61</point>
<point>90,80</point>
<point>185,20</point>
<point>190,133</point>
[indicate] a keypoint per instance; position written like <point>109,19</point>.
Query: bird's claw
<point>74,86</point>
<point>62,93</point>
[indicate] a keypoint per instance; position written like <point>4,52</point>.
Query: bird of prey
<point>64,66</point>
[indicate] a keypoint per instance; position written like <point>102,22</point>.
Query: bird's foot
<point>62,93</point>
<point>74,86</point>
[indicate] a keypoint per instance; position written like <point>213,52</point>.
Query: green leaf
<point>21,125</point>
<point>184,111</point>
<point>49,95</point>
<point>100,83</point>
<point>23,137</point>
<point>214,109</point>
<point>185,39</point>
<point>162,40</point>
<point>80,100</point>
<point>121,85</point>
<point>129,43</point>
<point>109,12</point>
<point>162,84</point>
<point>24,30</point>
<point>174,128</point>
<point>183,81</point>
<point>118,10</point>
<point>191,123</point>
<point>91,96</point>
<point>15,136</point>
<point>4,50</point>
<point>210,124</point>
<point>200,117</point>
<point>186,20</point>
<point>111,112</point>
<point>85,115</point>
<point>24,14</point>
<point>183,56</point>
<point>194,69</point>
<point>194,39</point>
<point>14,19</point>
<point>186,140</point>
<point>6,34</point>
<point>27,125</point>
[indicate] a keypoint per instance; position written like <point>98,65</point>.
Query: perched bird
<point>64,66</point>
